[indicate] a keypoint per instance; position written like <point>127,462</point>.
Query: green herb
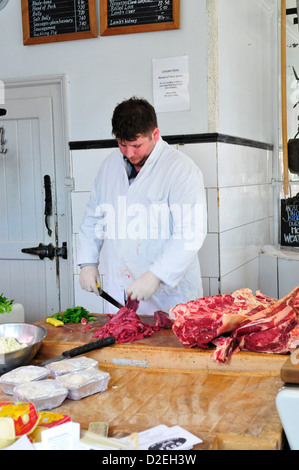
<point>5,305</point>
<point>73,315</point>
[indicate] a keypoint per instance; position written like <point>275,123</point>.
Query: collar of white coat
<point>155,153</point>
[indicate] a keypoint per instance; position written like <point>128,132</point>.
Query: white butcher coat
<point>156,223</point>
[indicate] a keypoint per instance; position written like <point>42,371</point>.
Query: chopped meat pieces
<point>126,326</point>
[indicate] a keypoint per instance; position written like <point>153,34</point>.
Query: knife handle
<point>101,343</point>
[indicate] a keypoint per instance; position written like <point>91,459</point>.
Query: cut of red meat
<point>198,322</point>
<point>132,304</point>
<point>200,330</point>
<point>240,321</point>
<point>292,299</point>
<point>293,342</point>
<point>162,320</point>
<point>126,326</point>
<point>225,347</point>
<point>265,320</point>
<point>269,330</point>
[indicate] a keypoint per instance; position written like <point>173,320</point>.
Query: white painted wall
<point>247,67</point>
<point>104,70</point>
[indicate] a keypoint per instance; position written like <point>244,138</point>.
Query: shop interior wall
<point>103,71</point>
<point>247,41</point>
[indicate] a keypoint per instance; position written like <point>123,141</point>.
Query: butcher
<point>145,220</point>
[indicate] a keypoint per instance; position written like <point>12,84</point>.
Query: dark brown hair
<point>133,117</point>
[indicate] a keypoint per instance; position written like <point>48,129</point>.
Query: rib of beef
<point>198,322</point>
<point>269,330</point>
<point>240,321</point>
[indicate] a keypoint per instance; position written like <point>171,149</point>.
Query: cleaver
<point>101,343</point>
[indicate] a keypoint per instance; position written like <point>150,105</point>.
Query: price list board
<point>138,16</point>
<point>58,20</point>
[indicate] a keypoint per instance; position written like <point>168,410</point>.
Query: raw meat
<point>272,340</point>
<point>292,299</point>
<point>269,330</point>
<point>225,347</point>
<point>126,326</point>
<point>277,333</point>
<point>240,321</point>
<point>198,322</point>
<point>294,338</point>
<point>162,320</point>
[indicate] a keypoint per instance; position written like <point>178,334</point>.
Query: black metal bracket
<point>47,251</point>
<point>294,11</point>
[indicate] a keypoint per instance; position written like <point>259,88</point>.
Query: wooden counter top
<point>163,350</point>
<point>228,408</point>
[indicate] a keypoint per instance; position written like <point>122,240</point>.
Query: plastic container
<point>71,365</point>
<point>44,394</point>
<point>22,375</point>
<point>84,383</point>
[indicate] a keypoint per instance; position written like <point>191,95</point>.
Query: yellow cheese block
<point>7,432</point>
<point>5,443</point>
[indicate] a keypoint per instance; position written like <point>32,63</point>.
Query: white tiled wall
<point>240,213</point>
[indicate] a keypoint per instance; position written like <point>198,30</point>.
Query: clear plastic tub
<point>71,365</point>
<point>44,394</point>
<point>85,382</point>
<point>22,375</point>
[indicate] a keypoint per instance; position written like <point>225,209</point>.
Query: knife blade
<point>101,343</point>
<point>108,297</point>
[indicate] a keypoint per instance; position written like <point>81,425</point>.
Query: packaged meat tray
<point>22,375</point>
<point>84,383</point>
<point>71,365</point>
<point>44,394</point>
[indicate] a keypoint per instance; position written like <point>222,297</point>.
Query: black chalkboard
<point>290,221</point>
<point>58,20</point>
<point>132,16</point>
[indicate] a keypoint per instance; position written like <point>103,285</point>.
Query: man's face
<point>137,151</point>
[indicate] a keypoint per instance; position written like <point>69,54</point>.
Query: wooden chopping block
<point>289,372</point>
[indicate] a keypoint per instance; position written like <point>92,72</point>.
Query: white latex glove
<point>144,287</point>
<point>89,278</point>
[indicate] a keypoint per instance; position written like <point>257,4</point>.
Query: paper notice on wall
<point>171,84</point>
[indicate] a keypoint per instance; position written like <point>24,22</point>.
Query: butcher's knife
<point>108,297</point>
<point>101,343</point>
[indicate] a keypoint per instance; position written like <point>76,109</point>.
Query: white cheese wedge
<point>7,430</point>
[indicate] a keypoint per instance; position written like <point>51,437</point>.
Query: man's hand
<point>144,287</point>
<point>89,278</point>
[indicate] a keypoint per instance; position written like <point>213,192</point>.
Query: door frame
<point>55,87</point>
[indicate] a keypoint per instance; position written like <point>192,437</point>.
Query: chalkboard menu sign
<point>290,222</point>
<point>58,20</point>
<point>138,16</point>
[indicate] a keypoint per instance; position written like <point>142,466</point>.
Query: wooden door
<point>28,131</point>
